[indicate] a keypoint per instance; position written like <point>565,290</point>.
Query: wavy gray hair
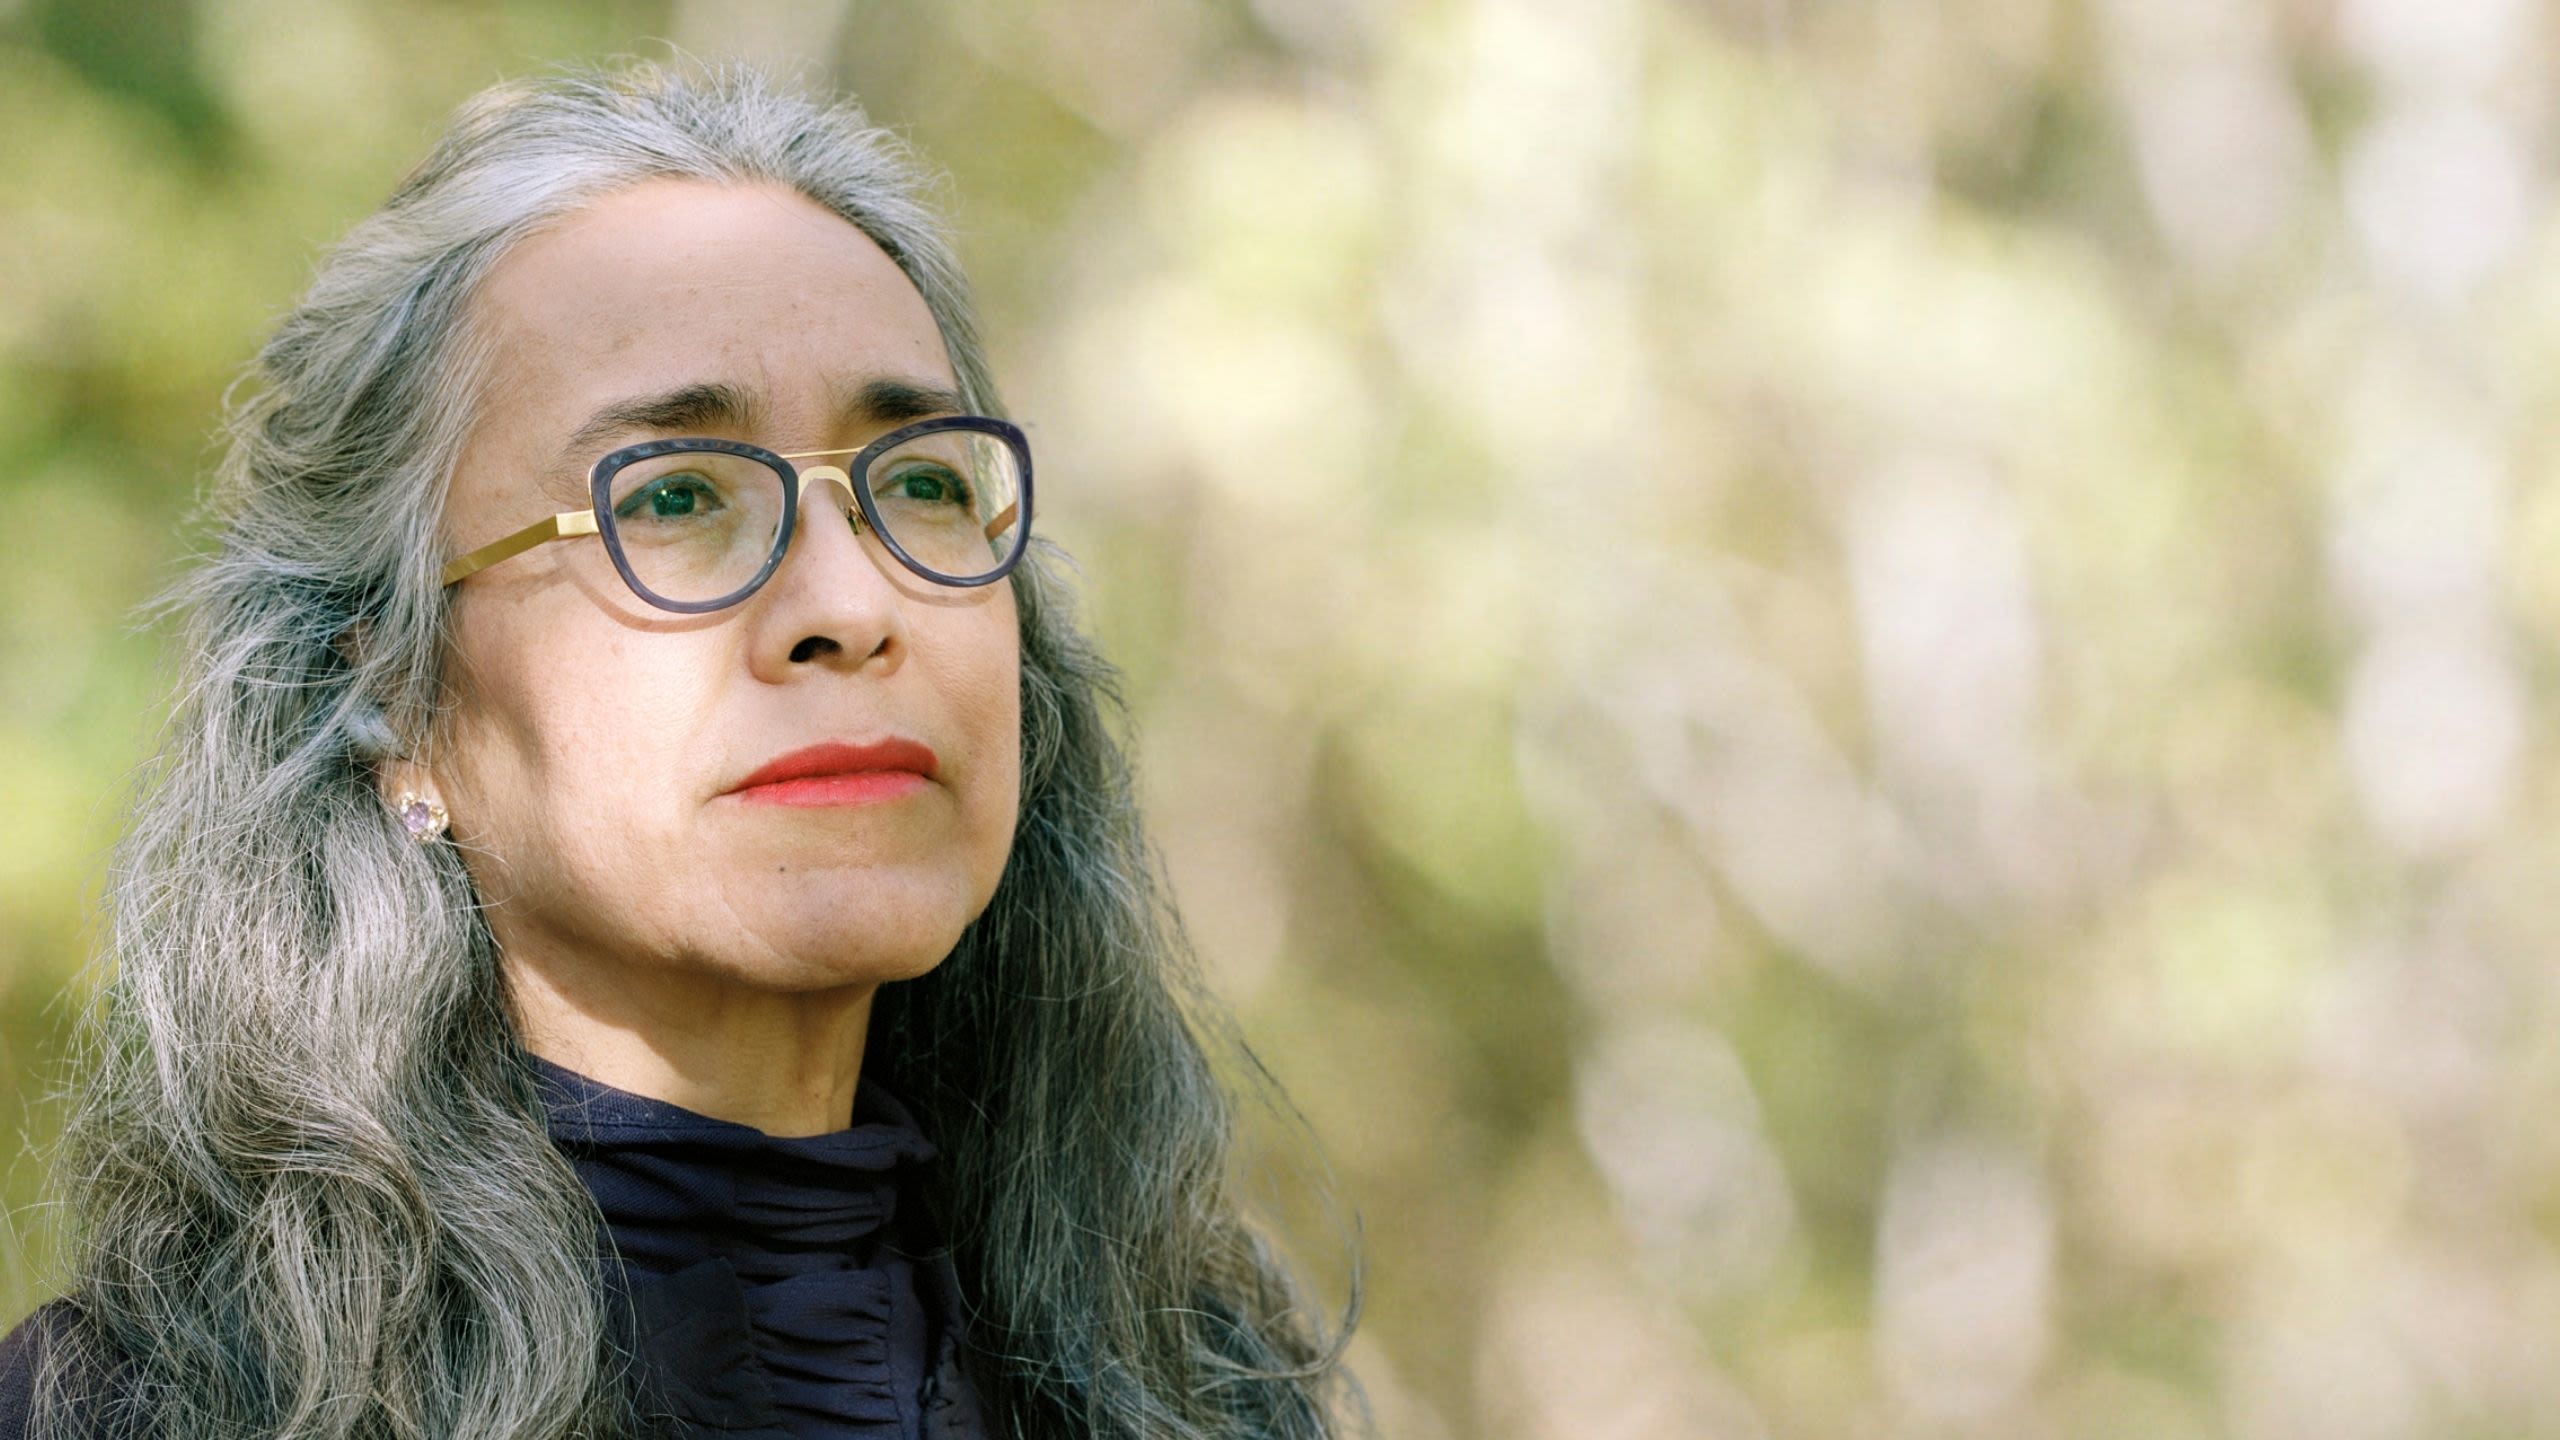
<point>311,1191</point>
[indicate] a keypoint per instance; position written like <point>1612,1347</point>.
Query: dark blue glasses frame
<point>854,477</point>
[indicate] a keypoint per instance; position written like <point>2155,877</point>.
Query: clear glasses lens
<point>696,525</point>
<point>950,499</point>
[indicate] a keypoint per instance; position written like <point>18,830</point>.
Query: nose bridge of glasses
<point>830,475</point>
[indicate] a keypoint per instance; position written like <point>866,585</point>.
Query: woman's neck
<point>786,1063</point>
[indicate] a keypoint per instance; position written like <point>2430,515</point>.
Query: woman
<point>638,925</point>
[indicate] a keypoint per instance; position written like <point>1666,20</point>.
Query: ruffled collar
<point>772,1294</point>
<point>688,1180</point>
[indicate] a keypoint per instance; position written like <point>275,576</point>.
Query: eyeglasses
<point>700,524</point>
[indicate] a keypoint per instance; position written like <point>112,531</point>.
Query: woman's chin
<point>817,948</point>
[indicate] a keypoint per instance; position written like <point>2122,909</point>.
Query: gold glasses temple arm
<point>556,527</point>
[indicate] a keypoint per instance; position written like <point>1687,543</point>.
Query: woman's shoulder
<point>22,1352</point>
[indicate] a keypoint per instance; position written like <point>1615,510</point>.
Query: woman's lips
<point>862,787</point>
<point>839,774</point>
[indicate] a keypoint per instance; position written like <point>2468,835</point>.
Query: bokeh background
<point>1858,692</point>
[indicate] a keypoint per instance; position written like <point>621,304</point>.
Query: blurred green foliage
<point>1853,691</point>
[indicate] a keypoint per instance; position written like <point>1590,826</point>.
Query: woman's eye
<point>928,484</point>
<point>671,497</point>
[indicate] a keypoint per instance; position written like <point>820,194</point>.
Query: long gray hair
<point>311,1190</point>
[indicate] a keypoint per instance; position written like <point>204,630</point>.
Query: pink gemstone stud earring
<point>425,818</point>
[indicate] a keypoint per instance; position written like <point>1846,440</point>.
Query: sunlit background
<point>1859,694</point>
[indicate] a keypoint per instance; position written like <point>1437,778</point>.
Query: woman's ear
<point>399,777</point>
<point>370,732</point>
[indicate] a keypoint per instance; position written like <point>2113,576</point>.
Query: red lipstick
<point>839,774</point>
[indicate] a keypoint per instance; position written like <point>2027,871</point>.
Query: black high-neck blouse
<point>775,1293</point>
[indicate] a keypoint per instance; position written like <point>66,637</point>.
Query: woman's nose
<point>833,594</point>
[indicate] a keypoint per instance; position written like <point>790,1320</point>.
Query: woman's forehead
<point>750,297</point>
<point>680,306</point>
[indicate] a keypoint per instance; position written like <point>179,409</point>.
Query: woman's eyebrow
<point>894,399</point>
<point>712,404</point>
<point>702,405</point>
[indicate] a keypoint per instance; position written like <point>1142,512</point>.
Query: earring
<point>424,817</point>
